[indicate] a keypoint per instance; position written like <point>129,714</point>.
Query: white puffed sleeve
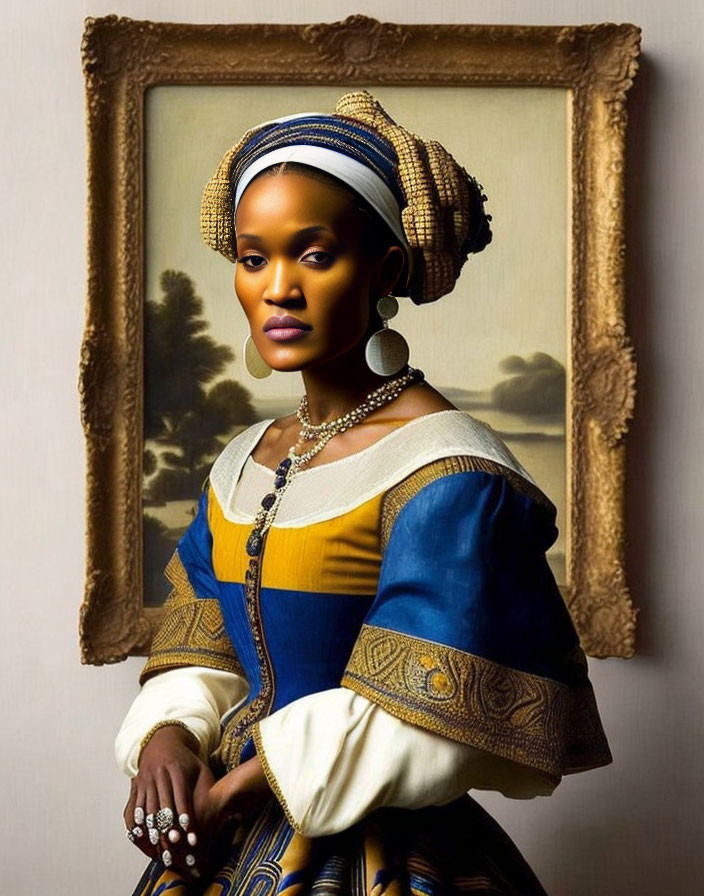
<point>333,757</point>
<point>194,695</point>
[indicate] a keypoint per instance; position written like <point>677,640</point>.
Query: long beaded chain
<point>322,433</point>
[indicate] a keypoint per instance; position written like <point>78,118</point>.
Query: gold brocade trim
<point>176,573</point>
<point>532,720</point>
<point>400,494</point>
<point>271,778</point>
<point>193,631</point>
<point>239,729</point>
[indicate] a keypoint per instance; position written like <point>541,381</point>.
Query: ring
<point>150,820</point>
<point>164,819</point>
<point>174,835</point>
<point>153,836</point>
<point>139,815</point>
<point>130,836</point>
<point>190,860</point>
<point>184,820</point>
<point>166,858</point>
<point>137,831</point>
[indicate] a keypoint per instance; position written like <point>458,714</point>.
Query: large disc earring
<point>387,351</point>
<point>253,361</point>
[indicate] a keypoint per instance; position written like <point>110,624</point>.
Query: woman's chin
<point>288,368</point>
<point>293,358</point>
<point>287,362</point>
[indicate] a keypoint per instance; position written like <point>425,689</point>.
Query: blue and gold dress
<point>403,586</point>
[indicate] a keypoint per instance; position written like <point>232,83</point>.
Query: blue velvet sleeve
<point>193,631</point>
<point>195,553</point>
<point>469,636</point>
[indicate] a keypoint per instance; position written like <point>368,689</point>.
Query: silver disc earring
<point>253,361</point>
<point>387,351</point>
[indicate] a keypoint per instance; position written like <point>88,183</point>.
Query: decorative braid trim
<point>239,729</point>
<point>271,778</point>
<point>193,631</point>
<point>516,715</point>
<point>176,573</point>
<point>178,658</point>
<point>397,497</point>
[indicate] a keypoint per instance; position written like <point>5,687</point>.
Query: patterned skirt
<point>438,851</point>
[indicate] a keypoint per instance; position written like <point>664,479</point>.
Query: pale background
<point>634,828</point>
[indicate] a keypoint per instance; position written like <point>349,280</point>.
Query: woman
<point>363,625</point>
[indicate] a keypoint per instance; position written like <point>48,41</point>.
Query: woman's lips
<point>282,329</point>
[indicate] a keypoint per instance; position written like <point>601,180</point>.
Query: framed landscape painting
<point>531,341</point>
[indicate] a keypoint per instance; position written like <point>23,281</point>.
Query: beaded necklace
<point>322,433</point>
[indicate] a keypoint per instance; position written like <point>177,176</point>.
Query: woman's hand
<point>238,792</point>
<point>219,805</point>
<point>170,776</point>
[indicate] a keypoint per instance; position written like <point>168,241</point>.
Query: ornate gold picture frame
<point>589,69</point>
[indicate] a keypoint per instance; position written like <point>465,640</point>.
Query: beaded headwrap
<point>441,207</point>
<point>354,155</point>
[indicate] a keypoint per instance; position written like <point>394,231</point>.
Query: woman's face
<point>301,276</point>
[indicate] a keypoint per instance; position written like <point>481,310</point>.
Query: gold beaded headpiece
<point>442,207</point>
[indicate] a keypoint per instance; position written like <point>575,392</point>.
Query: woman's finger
<point>183,804</point>
<point>139,813</point>
<point>166,816</point>
<point>136,832</point>
<point>151,804</point>
<point>128,814</point>
<point>184,835</point>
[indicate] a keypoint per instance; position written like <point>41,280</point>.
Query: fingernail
<point>153,836</point>
<point>139,815</point>
<point>191,837</point>
<point>137,831</point>
<point>184,820</point>
<point>150,820</point>
<point>174,835</point>
<point>190,860</point>
<point>166,858</point>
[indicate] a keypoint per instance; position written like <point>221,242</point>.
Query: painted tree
<point>184,410</point>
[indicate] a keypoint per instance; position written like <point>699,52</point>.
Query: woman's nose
<point>282,284</point>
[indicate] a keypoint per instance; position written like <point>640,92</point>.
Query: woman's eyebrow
<point>313,229</point>
<point>303,232</point>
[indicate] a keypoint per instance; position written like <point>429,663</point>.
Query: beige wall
<point>634,828</point>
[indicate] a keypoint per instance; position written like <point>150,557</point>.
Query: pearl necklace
<point>322,433</point>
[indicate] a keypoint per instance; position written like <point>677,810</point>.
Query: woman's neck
<point>338,386</point>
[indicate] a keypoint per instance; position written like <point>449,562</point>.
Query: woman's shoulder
<point>458,467</point>
<point>440,430</point>
<point>446,434</point>
<point>421,399</point>
<point>437,441</point>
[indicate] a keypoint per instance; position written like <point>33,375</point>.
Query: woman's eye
<point>252,262</point>
<point>318,258</point>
